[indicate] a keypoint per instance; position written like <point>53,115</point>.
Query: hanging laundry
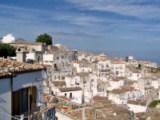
<point>65,106</point>
<point>51,114</point>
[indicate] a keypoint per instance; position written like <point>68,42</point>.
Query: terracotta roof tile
<point>8,67</point>
<point>66,89</point>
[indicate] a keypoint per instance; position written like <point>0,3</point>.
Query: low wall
<point>63,116</point>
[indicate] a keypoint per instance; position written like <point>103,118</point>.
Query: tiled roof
<point>83,74</point>
<point>138,102</point>
<point>118,78</point>
<point>117,61</point>
<point>107,112</point>
<point>77,114</point>
<point>133,69</point>
<point>84,63</point>
<point>70,76</point>
<point>5,74</point>
<point>66,89</point>
<point>27,43</point>
<point>122,90</point>
<point>152,114</point>
<point>9,67</point>
<point>59,83</point>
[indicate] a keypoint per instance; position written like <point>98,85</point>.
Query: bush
<point>7,50</point>
<point>44,38</point>
<point>153,104</point>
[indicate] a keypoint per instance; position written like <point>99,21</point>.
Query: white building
<point>83,66</point>
<point>133,73</point>
<point>130,58</point>
<point>72,80</point>
<point>48,59</point>
<point>118,68</point>
<point>82,55</point>
<point>121,96</point>
<point>104,65</point>
<point>116,83</point>
<point>21,87</point>
<point>155,83</point>
<point>35,56</point>
<point>90,87</point>
<point>148,64</point>
<point>137,106</point>
<point>74,94</point>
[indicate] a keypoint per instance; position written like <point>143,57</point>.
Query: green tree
<point>45,38</point>
<point>7,50</point>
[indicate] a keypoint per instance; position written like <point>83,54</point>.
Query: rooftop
<point>59,83</point>
<point>27,43</point>
<point>110,111</point>
<point>138,102</point>
<point>117,61</point>
<point>67,89</point>
<point>122,90</point>
<point>118,78</point>
<point>152,114</point>
<point>84,63</point>
<point>9,67</point>
<point>83,74</point>
<point>133,69</point>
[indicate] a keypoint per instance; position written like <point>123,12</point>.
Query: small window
<point>117,73</point>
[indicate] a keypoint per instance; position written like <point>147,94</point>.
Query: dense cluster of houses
<point>81,78</point>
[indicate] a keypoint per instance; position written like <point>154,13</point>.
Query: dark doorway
<point>70,95</point>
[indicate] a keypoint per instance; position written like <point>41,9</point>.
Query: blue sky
<point>115,27</point>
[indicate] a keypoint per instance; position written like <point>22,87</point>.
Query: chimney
<point>21,55</point>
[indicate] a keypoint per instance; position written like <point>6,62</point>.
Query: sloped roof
<point>9,67</point>
<point>27,43</point>
<point>66,89</point>
<point>138,102</point>
<point>59,83</point>
<point>122,90</point>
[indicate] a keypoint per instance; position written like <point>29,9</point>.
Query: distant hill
<point>20,39</point>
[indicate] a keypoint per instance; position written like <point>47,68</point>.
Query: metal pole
<point>83,114</point>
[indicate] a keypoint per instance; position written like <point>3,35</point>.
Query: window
<point>24,100</point>
<point>117,73</point>
<point>70,96</point>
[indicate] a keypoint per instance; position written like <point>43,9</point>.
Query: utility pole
<point>132,115</point>
<point>83,114</point>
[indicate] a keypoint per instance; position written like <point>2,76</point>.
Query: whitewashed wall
<point>71,81</point>
<point>84,69</point>
<point>76,95</point>
<point>137,108</point>
<point>62,116</point>
<point>5,99</point>
<point>155,84</point>
<point>120,68</point>
<point>81,57</point>
<point>31,56</point>
<point>25,80</point>
<point>103,65</point>
<point>48,59</point>
<point>37,48</point>
<point>116,84</point>
<point>134,76</point>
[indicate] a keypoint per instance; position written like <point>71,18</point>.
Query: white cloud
<point>132,8</point>
<point>8,38</point>
<point>80,19</point>
<point>77,36</point>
